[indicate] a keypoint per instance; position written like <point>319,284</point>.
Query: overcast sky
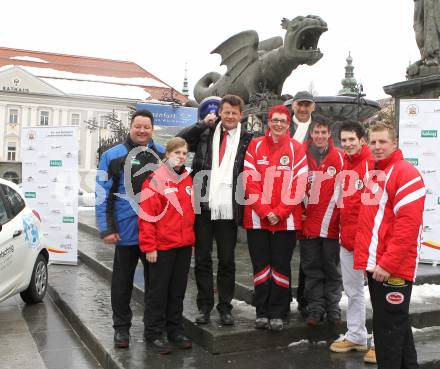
<point>162,35</point>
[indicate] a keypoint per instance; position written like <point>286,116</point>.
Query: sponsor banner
<point>170,115</point>
<point>50,186</point>
<point>419,123</point>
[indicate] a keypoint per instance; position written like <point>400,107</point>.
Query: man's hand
<point>210,119</point>
<point>380,274</point>
<point>272,218</point>
<point>151,256</point>
<point>112,238</point>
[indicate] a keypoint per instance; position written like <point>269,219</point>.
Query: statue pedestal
<point>418,88</point>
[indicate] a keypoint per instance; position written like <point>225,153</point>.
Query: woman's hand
<point>151,256</point>
<point>272,218</point>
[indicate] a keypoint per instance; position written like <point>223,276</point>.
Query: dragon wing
<point>238,52</point>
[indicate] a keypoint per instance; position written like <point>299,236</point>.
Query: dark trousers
<point>166,291</point>
<point>124,265</point>
<point>323,280</point>
<point>271,253</point>
<point>225,233</point>
<point>300,298</point>
<point>393,337</point>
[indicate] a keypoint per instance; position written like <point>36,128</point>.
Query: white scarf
<point>301,129</point>
<point>220,186</point>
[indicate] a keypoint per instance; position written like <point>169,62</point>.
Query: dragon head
<point>302,36</point>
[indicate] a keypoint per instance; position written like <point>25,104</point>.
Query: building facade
<point>45,89</point>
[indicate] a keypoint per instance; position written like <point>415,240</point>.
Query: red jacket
<point>353,186</point>
<point>390,221</point>
<point>322,213</point>
<point>274,178</point>
<point>166,214</point>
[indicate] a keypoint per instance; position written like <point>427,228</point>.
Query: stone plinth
<point>418,88</point>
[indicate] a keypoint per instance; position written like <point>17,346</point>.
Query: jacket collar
<point>390,160</point>
<point>358,157</point>
<point>281,139</point>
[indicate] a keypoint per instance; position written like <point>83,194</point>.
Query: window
<point>12,149</point>
<point>17,202</point>
<point>3,213</point>
<point>44,118</point>
<point>13,116</point>
<point>74,119</point>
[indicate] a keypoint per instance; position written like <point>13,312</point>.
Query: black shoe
<point>121,339</point>
<point>202,318</point>
<point>314,319</point>
<point>226,319</point>
<point>181,342</point>
<point>334,317</point>
<point>159,345</point>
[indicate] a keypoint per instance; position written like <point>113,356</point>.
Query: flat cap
<point>303,96</point>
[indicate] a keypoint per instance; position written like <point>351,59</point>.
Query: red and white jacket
<point>322,213</point>
<point>353,185</point>
<point>166,215</point>
<point>275,175</point>
<point>390,221</point>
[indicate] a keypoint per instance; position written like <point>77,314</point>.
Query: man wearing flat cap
<point>303,105</point>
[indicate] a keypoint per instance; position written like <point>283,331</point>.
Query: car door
<point>8,250</point>
<point>24,256</point>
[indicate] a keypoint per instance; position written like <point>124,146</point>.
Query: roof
<point>55,68</point>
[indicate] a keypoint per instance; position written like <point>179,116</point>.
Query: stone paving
<point>38,336</point>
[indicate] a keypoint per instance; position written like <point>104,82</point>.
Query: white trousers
<point>353,282</point>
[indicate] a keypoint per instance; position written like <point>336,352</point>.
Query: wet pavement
<point>38,336</point>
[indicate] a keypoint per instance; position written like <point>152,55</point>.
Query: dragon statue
<point>252,64</point>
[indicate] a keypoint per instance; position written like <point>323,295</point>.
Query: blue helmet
<point>208,105</point>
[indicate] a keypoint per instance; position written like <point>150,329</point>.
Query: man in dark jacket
<point>117,190</point>
<point>219,148</point>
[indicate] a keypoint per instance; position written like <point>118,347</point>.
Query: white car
<point>23,251</point>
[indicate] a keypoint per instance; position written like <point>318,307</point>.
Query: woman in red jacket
<point>274,165</point>
<point>166,236</point>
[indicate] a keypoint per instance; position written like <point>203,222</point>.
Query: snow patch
<point>98,89</point>
<point>425,330</point>
<point>425,291</point>
<point>53,73</point>
<point>298,343</point>
<point>28,58</point>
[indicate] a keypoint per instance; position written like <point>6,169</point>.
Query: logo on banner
<point>56,163</point>
<point>413,161</point>
<point>412,110</point>
<point>67,219</point>
<point>30,195</point>
<point>395,298</point>
<point>429,133</point>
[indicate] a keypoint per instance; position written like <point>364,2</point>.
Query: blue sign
<point>169,115</point>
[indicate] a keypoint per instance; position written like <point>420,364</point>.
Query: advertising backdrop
<point>419,140</point>
<point>50,186</point>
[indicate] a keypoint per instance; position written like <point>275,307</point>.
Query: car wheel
<point>38,286</point>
